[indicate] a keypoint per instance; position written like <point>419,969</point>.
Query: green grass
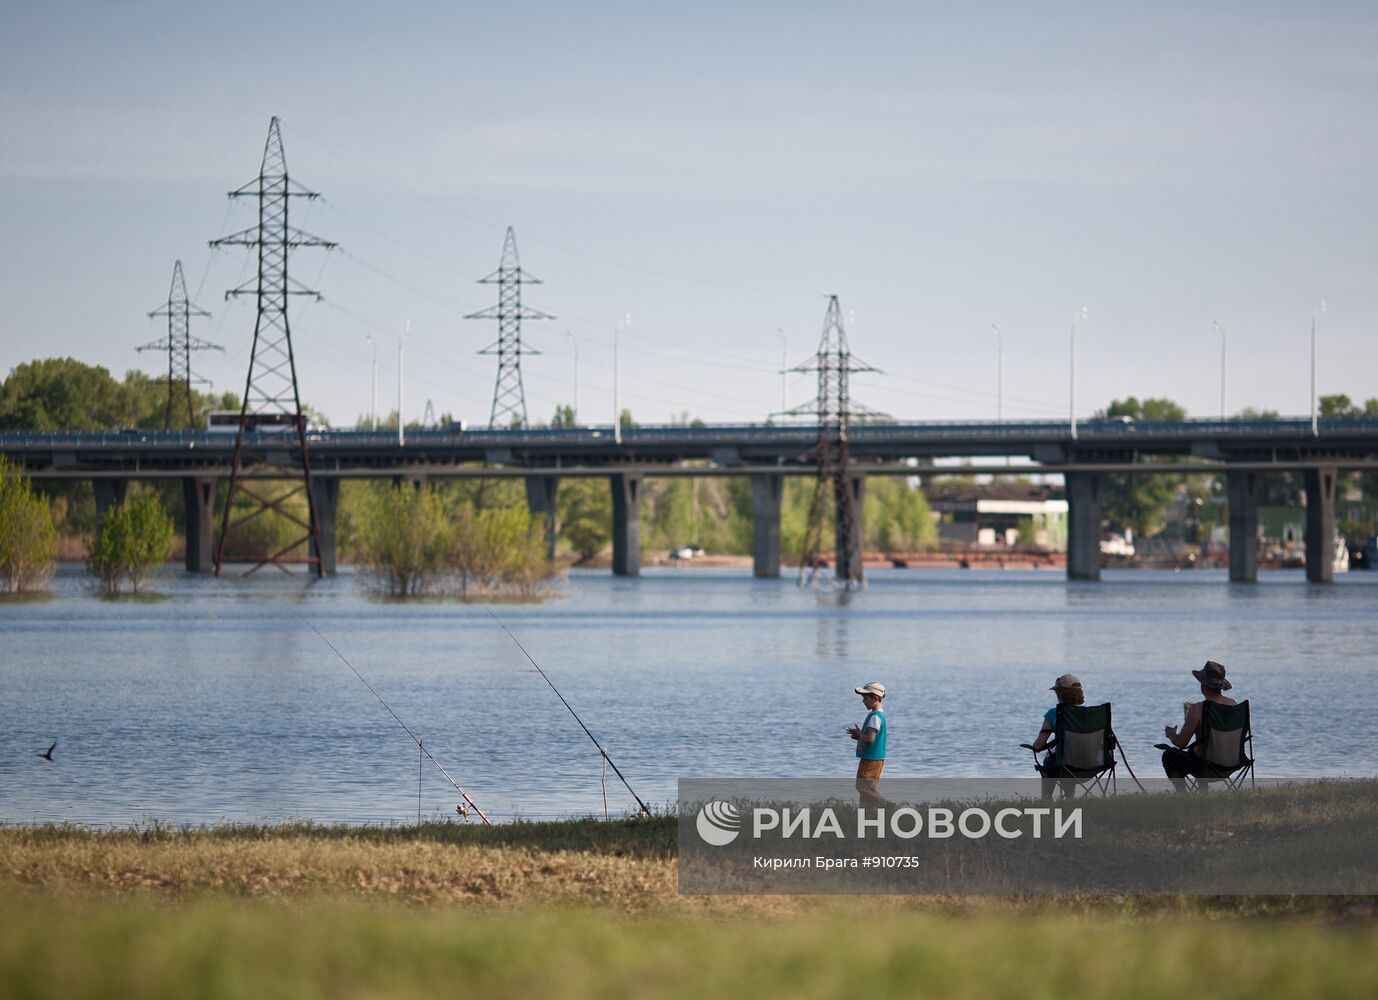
<point>590,909</point>
<point>338,948</point>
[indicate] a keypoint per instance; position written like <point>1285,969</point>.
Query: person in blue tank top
<point>870,744</point>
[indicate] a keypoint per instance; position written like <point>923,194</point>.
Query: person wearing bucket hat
<point>1069,692</point>
<point>870,744</point>
<point>1184,757</point>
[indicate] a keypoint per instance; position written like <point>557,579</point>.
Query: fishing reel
<point>463,810</point>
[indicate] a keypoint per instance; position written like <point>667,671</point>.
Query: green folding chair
<point>1227,747</point>
<point>1083,751</point>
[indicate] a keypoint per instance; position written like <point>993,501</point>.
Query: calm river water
<point>218,704</point>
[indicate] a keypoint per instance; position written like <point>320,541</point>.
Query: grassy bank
<point>590,909</point>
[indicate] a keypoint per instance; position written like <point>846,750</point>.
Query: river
<point>217,703</point>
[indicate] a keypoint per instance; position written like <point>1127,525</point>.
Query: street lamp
<point>1221,330</point>
<point>575,345</point>
<point>1315,413</point>
<point>1072,406</point>
<point>784,366</point>
<point>999,373</point>
<point>373,385</point>
<point>616,386</point>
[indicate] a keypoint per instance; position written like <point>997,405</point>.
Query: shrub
<point>134,538</point>
<point>28,539</point>
<point>404,539</point>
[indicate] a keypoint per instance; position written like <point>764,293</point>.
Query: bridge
<point>1243,451</point>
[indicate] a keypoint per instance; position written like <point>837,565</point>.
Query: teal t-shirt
<point>875,750</point>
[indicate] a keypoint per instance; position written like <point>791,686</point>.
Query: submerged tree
<point>28,539</point>
<point>404,539</point>
<point>134,539</point>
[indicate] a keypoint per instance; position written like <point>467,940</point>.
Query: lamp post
<point>784,376</point>
<point>999,373</point>
<point>1220,329</point>
<point>373,385</point>
<point>616,386</point>
<point>1072,406</point>
<point>1315,413</point>
<point>574,344</point>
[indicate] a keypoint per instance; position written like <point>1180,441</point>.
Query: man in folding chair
<point>1080,742</point>
<point>1223,746</point>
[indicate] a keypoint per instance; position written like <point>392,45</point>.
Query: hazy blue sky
<point>715,171</point>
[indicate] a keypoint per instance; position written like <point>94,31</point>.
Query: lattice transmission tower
<point>271,436</point>
<point>509,399</point>
<point>179,343</point>
<point>835,488</point>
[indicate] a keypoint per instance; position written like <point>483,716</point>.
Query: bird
<point>49,755</point>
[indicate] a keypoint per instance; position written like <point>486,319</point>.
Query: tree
<point>564,417</point>
<point>134,538</point>
<point>1139,502</point>
<point>896,517</point>
<point>28,539</point>
<point>584,506</point>
<point>404,538</point>
<point>63,394</point>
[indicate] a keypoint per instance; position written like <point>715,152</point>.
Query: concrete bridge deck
<point>1242,450</point>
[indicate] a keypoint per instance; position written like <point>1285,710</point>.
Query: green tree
<point>896,517</point>
<point>134,538</point>
<point>1139,502</point>
<point>404,537</point>
<point>500,550</point>
<point>28,539</point>
<point>584,508</point>
<point>564,417</point>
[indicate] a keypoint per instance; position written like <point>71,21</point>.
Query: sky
<point>713,171</point>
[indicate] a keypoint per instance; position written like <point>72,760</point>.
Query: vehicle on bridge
<point>227,422</point>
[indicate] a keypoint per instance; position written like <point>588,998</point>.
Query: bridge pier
<point>848,543</point>
<point>1320,524</point>
<point>325,495</point>
<point>108,493</point>
<point>1083,526</point>
<point>1241,491</point>
<point>765,525</point>
<point>198,496</point>
<point>626,524</point>
<point>540,500</point>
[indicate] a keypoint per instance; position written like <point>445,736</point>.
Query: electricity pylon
<point>179,343</point>
<point>272,428</point>
<point>509,400</point>
<point>834,408</point>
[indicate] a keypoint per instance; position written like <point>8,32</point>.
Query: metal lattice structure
<point>509,399</point>
<point>179,343</point>
<point>835,489</point>
<point>271,436</point>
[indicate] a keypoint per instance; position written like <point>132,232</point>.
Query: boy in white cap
<point>870,744</point>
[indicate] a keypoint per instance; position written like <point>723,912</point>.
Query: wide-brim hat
<point>1212,675</point>
<point>874,687</point>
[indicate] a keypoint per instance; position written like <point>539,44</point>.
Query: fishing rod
<point>421,747</point>
<point>572,712</point>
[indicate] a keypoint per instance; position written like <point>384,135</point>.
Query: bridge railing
<point>602,436</point>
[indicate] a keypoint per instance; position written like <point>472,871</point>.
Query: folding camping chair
<point>1227,747</point>
<point>1083,748</point>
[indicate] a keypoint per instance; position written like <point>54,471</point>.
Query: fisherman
<point>1182,759</point>
<point>1069,691</point>
<point>870,744</point>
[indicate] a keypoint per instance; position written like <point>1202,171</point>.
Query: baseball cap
<point>1067,682</point>
<point>875,687</point>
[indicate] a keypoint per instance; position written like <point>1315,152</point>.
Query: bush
<point>28,539</point>
<point>134,538</point>
<point>413,543</point>
<point>500,550</point>
<point>404,540</point>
